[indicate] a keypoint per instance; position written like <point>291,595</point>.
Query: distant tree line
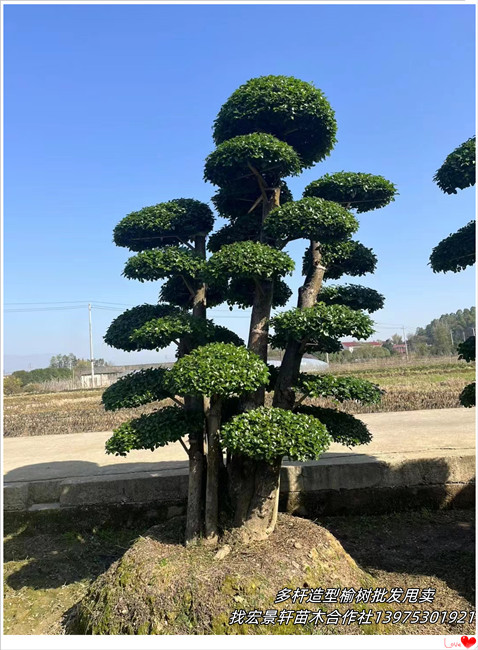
<point>443,335</point>
<point>62,366</point>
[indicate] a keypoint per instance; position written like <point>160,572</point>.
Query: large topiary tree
<point>458,251</point>
<point>269,129</point>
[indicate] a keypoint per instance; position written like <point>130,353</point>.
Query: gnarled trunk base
<point>255,497</point>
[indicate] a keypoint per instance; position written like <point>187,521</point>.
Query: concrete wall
<point>337,485</point>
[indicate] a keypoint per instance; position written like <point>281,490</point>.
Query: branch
<point>186,243</point>
<point>260,180</point>
<point>178,401</point>
<point>256,203</point>
<point>188,286</point>
<point>186,449</point>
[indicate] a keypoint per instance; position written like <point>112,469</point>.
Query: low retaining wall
<point>338,483</point>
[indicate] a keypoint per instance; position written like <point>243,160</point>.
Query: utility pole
<point>91,349</point>
<point>405,341</point>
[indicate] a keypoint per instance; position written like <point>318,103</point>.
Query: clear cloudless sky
<point>110,108</point>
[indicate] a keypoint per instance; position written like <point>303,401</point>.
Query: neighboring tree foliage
<point>457,251</point>
<point>269,129</point>
<point>458,170</point>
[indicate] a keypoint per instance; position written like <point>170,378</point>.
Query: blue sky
<point>110,108</point>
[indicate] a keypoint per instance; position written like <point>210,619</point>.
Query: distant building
<point>308,363</point>
<point>107,375</point>
<point>401,348</point>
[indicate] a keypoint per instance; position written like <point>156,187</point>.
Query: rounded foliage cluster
<point>290,109</point>
<point>232,160</point>
<point>458,170</point>
<point>272,433</point>
<point>310,218</point>
<point>154,430</point>
<point>352,295</point>
<point>245,228</point>
<point>339,388</point>
<point>467,349</point>
<point>241,293</point>
<point>157,264</point>
<point>319,324</point>
<point>343,258</point>
<point>236,201</point>
<point>135,389</point>
<point>248,259</point>
<point>355,190</point>
<point>455,252</point>
<point>118,334</point>
<point>468,395</point>
<point>163,224</point>
<point>175,291</point>
<point>218,369</point>
<point>342,427</point>
<point>158,333</point>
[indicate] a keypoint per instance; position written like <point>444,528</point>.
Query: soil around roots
<point>160,586</point>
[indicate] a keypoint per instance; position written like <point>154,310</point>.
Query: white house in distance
<point>107,375</point>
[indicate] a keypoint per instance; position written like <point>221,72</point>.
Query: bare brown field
<point>407,387</point>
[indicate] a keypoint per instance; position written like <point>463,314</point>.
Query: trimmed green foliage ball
<point>135,389</point>
<point>458,170</point>
<point>163,224</point>
<point>343,258</point>
<point>342,427</point>
<point>271,433</point>
<point>233,159</point>
<point>245,228</point>
<point>352,295</point>
<point>163,263</point>
<point>319,323</point>
<point>175,291</point>
<point>234,201</point>
<point>310,218</point>
<point>468,395</point>
<point>160,332</point>
<point>240,293</point>
<point>292,110</point>
<point>340,388</point>
<point>218,369</point>
<point>357,191</point>
<point>119,333</point>
<point>154,430</point>
<point>248,259</point>
<point>467,349</point>
<point>456,252</point>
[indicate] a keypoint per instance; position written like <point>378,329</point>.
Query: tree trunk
<point>199,299</point>
<point>284,396</point>
<point>213,415</point>
<point>257,513</point>
<point>253,488</point>
<point>262,304</point>
<point>196,440</point>
<point>195,490</point>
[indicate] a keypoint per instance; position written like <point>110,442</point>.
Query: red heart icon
<point>468,641</point>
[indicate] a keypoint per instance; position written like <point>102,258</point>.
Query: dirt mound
<point>161,587</point>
